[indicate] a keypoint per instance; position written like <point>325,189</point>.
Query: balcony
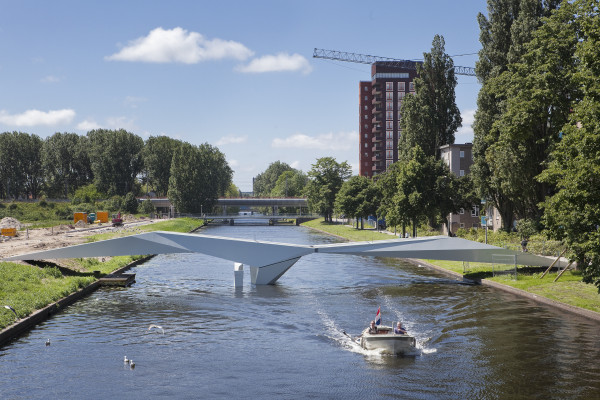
<point>376,90</point>
<point>377,138</point>
<point>377,167</point>
<point>376,129</point>
<point>377,110</point>
<point>377,148</point>
<point>377,100</point>
<point>377,118</point>
<point>377,157</point>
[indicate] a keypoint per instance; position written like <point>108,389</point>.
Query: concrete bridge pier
<point>269,274</point>
<point>231,222</point>
<point>238,274</point>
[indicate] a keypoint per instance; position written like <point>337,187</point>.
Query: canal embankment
<point>570,294</point>
<point>36,292</point>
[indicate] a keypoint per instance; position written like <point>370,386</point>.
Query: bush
<point>130,204</point>
<point>86,194</point>
<point>148,207</point>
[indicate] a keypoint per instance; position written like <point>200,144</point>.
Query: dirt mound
<point>80,224</point>
<point>129,217</point>
<point>9,222</point>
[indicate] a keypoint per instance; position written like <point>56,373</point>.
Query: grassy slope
<point>569,289</point>
<point>28,288</point>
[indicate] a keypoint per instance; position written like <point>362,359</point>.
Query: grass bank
<point>27,288</point>
<point>569,289</point>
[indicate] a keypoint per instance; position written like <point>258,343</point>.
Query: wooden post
<point>552,265</point>
<point>563,271</point>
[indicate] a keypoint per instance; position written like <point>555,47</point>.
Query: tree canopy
<point>325,180</point>
<point>266,181</point>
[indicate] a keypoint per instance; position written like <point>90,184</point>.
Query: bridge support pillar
<point>231,222</point>
<point>238,274</point>
<point>269,274</point>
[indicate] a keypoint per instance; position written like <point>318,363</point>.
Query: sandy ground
<point>59,236</point>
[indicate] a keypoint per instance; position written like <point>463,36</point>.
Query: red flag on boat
<point>378,317</point>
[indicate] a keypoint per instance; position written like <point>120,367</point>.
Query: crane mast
<point>369,59</point>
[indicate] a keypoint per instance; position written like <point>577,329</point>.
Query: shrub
<point>148,207</point>
<point>130,204</point>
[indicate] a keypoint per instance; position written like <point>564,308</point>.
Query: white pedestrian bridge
<point>268,261</point>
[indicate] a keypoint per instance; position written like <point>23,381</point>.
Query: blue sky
<point>236,74</point>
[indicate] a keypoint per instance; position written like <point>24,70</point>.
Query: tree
<point>358,197</point>
<point>199,175</point>
<point>387,184</point>
<point>65,163</point>
<point>325,180</point>
<point>20,165</point>
<point>130,204</point>
<point>503,35</point>
<point>290,184</point>
<point>265,181</point>
<point>572,213</point>
<point>430,117</point>
<point>115,157</point>
<point>157,156</point>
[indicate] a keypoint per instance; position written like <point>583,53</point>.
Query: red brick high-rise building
<point>379,125</point>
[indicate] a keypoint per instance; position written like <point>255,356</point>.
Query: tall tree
<point>20,165</point>
<point>265,181</point>
<point>358,197</point>
<point>115,157</point>
<point>157,156</point>
<point>325,180</point>
<point>503,35</point>
<point>290,184</point>
<point>199,175</point>
<point>573,213</point>
<point>65,163</point>
<point>430,117</point>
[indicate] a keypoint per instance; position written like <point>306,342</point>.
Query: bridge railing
<point>248,216</point>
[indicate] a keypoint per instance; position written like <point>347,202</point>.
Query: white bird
<point>157,327</point>
<point>48,342</point>
<point>12,309</point>
<point>125,360</point>
<point>132,364</point>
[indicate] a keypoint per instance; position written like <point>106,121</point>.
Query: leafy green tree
<point>572,213</point>
<point>20,165</point>
<point>387,184</point>
<point>430,117</point>
<point>290,184</point>
<point>503,35</point>
<point>358,197</point>
<point>130,203</point>
<point>199,175</point>
<point>115,157</point>
<point>65,163</point>
<point>147,207</point>
<point>157,156</point>
<point>87,194</point>
<point>266,181</point>
<point>232,191</point>
<point>325,180</point>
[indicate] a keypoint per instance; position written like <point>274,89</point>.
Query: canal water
<point>291,340</point>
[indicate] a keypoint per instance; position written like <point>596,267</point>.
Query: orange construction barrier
<point>8,231</point>
<point>102,216</point>
<point>79,216</point>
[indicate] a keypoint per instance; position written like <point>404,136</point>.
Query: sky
<point>238,75</point>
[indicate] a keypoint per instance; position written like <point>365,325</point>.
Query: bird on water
<point>157,327</point>
<point>48,342</point>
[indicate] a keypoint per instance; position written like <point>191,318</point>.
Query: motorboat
<point>387,341</point>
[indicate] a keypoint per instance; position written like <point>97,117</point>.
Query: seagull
<point>132,364</point>
<point>125,360</point>
<point>48,342</point>
<point>12,309</point>
<point>157,327</point>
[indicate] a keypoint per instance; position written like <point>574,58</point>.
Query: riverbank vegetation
<point>570,289</point>
<point>27,288</point>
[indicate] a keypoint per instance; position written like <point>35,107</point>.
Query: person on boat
<point>372,327</point>
<point>399,329</point>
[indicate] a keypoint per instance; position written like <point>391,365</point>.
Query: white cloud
<point>87,125</point>
<point>50,79</point>
<point>277,63</point>
<point>110,123</point>
<point>133,101</point>
<point>180,46</point>
<point>233,163</point>
<point>231,140</point>
<point>37,117</point>
<point>465,132</point>
<point>295,164</point>
<point>327,141</point>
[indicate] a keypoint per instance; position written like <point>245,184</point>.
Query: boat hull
<point>388,343</point>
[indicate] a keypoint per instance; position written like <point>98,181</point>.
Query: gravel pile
<point>9,222</point>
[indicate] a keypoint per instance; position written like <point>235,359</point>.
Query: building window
<point>475,225</point>
<point>475,211</point>
<point>366,154</point>
<point>462,154</point>
<point>461,172</point>
<point>389,125</point>
<point>388,163</point>
<point>389,86</point>
<point>389,135</point>
<point>401,87</point>
<point>389,115</point>
<point>462,225</point>
<point>399,115</point>
<point>411,86</point>
<point>366,88</point>
<point>389,154</point>
<point>366,117</point>
<point>401,95</point>
<point>366,107</point>
<point>366,126</point>
<point>462,211</point>
<point>366,135</point>
<point>389,96</point>
<point>366,97</point>
<point>399,126</point>
<point>389,105</point>
<point>366,145</point>
<point>389,144</point>
<point>399,104</point>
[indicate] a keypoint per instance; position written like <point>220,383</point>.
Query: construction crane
<point>367,59</point>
